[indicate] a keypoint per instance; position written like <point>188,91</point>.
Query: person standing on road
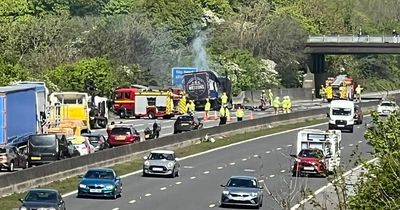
<point>394,33</point>
<point>192,107</point>
<point>207,107</point>
<point>224,99</point>
<point>276,103</point>
<point>156,129</point>
<point>289,105</point>
<point>329,93</point>
<point>223,115</point>
<point>263,99</point>
<point>239,114</point>
<point>358,93</point>
<point>322,93</point>
<point>182,103</point>
<point>270,96</point>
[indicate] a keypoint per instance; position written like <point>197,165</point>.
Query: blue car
<point>100,182</point>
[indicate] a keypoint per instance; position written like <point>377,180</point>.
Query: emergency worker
<point>359,89</point>
<point>263,99</point>
<point>329,93</point>
<point>322,93</point>
<point>239,114</point>
<point>289,104</point>
<point>223,115</point>
<point>285,105</point>
<point>110,127</point>
<point>276,104</point>
<point>270,96</point>
<point>156,129</point>
<point>207,107</point>
<point>224,99</point>
<point>192,106</point>
<point>182,103</point>
<point>343,91</point>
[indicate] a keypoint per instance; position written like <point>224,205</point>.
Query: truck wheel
<point>151,115</point>
<point>122,114</point>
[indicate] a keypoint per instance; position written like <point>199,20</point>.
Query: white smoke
<point>200,60</point>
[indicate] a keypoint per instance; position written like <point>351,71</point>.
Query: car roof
<point>123,126</point>
<point>388,102</point>
<point>163,151</point>
<point>91,134</point>
<point>101,169</point>
<point>243,177</point>
<point>44,189</point>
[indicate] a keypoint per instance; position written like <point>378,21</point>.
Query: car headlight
<point>82,186</point>
<point>225,192</point>
<point>146,163</point>
<point>170,165</point>
<point>109,187</point>
<point>23,208</point>
<point>254,194</point>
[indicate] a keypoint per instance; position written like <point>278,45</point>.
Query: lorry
<point>342,81</point>
<point>134,102</point>
<point>328,141</point>
<point>206,84</point>
<point>20,112</point>
<point>69,110</point>
<point>98,112</point>
<point>341,115</point>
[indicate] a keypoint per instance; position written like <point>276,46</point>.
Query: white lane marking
<point>341,147</point>
<point>139,125</point>
<point>217,149</point>
<point>148,194</point>
<point>169,126</point>
<point>233,163</point>
<point>178,183</point>
<point>271,176</point>
<point>249,170</point>
<point>330,184</point>
<point>350,145</point>
<point>255,156</point>
<point>193,177</point>
<point>163,188</point>
<point>220,167</point>
<point>206,172</point>
<point>289,145</point>
<point>261,180</point>
<point>283,171</point>
<point>267,152</point>
<point>211,206</point>
<point>278,148</point>
<point>115,209</point>
<point>132,201</point>
<point>359,142</point>
<point>187,166</point>
<point>244,159</point>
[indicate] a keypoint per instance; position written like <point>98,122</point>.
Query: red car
<point>310,161</point>
<point>123,134</point>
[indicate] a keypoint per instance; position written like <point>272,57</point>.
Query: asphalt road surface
<point>198,187</point>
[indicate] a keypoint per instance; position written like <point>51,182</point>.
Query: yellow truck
<point>69,113</point>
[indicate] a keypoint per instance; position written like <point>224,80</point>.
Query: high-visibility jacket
<point>343,92</point>
<point>285,104</point>
<point>192,106</point>
<point>289,103</point>
<point>322,91</point>
<point>207,107</point>
<point>359,89</point>
<point>222,112</point>
<point>329,92</point>
<point>239,113</point>
<point>224,99</point>
<point>276,103</point>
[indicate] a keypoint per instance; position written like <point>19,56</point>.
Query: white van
<point>341,115</point>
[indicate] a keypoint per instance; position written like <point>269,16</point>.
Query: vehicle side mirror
<point>21,200</point>
<point>293,156</point>
<point>222,185</point>
<point>145,158</point>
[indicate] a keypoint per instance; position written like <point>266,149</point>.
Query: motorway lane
<point>198,186</point>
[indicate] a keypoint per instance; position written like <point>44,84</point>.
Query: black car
<point>42,199</point>
<point>98,141</point>
<point>187,123</point>
<point>46,148</point>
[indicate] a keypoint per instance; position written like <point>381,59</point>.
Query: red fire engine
<point>342,81</point>
<point>134,102</point>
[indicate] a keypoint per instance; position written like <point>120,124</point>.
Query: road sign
<point>177,73</point>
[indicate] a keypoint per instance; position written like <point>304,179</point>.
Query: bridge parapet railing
<point>353,39</point>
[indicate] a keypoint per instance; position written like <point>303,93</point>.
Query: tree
<point>11,73</point>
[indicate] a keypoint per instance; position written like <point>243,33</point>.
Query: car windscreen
<point>43,141</point>
<point>94,140</point>
<point>311,154</point>
<point>41,196</point>
<point>98,174</point>
<point>388,104</point>
<point>121,131</point>
<point>185,118</point>
<point>160,156</point>
<point>341,111</point>
<point>248,183</point>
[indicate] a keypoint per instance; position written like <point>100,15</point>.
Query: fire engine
<point>338,82</point>
<point>135,102</point>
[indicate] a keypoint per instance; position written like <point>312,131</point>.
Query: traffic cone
<point>251,115</point>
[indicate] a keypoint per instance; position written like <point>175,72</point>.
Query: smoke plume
<point>200,60</point>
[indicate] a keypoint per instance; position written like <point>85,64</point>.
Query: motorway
<point>198,187</point>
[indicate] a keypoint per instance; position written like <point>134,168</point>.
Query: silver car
<point>242,191</point>
<point>161,162</point>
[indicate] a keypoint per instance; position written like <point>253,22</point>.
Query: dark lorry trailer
<point>18,112</point>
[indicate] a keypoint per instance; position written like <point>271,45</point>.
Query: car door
<point>22,157</point>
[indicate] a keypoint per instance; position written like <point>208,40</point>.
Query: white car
<point>387,107</point>
<point>82,144</point>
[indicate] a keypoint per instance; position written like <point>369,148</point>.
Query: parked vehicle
<point>12,157</point>
<point>42,199</point>
<point>123,134</point>
<point>98,112</point>
<point>329,142</point>
<point>72,151</point>
<point>358,115</point>
<point>148,134</point>
<point>82,144</point>
<point>161,162</point>
<point>242,191</point>
<point>341,115</point>
<point>98,141</point>
<point>387,107</point>
<point>46,148</point>
<point>100,182</point>
<point>187,123</point>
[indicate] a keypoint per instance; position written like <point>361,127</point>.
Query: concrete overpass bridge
<point>319,46</point>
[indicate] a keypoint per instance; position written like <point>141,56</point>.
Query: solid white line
<point>330,184</point>
<point>219,148</point>
<point>132,201</point>
<point>139,125</point>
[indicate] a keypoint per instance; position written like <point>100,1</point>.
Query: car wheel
<point>122,114</point>
<point>144,174</point>
<point>177,173</point>
<point>151,115</point>
<point>11,167</point>
<point>115,195</point>
<point>173,174</point>
<point>295,174</point>
<point>351,130</point>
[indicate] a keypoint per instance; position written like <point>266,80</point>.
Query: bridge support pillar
<point>318,68</point>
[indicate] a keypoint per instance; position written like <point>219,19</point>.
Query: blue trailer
<point>18,112</point>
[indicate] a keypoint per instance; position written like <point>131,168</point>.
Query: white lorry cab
<point>328,141</point>
<point>341,115</point>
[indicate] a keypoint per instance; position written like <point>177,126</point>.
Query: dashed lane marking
<point>267,152</point>
<point>249,170</point>
<point>244,159</point>
<point>233,163</point>
<point>178,183</point>
<point>278,148</point>
<point>350,145</point>
<point>283,171</point>
<point>163,188</point>
<point>187,166</point>
<point>261,180</point>
<point>220,167</point>
<point>289,145</point>
<point>211,206</point>
<point>206,172</point>
<point>271,176</point>
<point>148,194</point>
<point>193,177</point>
<point>255,156</point>
<point>341,147</point>
<point>132,201</point>
<point>115,209</point>
<point>359,142</point>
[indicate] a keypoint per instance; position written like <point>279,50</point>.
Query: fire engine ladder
<point>339,80</point>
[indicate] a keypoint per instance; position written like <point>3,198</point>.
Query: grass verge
<point>68,185</point>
